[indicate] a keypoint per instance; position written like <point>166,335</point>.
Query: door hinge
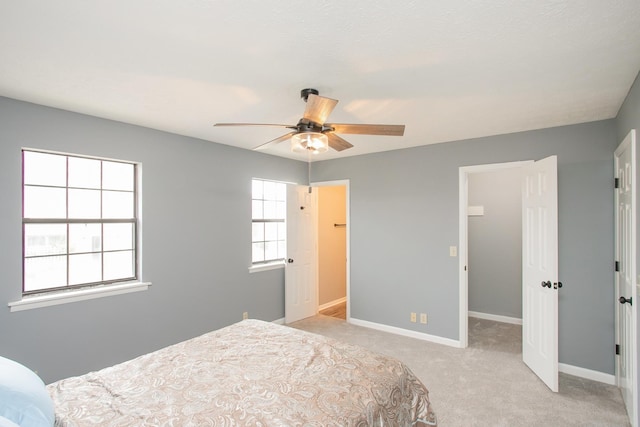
<point>617,266</point>
<point>618,349</point>
<point>616,183</point>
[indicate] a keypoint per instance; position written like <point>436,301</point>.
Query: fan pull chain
<point>309,170</point>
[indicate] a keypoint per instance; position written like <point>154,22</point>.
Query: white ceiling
<point>448,70</point>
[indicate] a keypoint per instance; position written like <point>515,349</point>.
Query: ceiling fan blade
<point>254,124</point>
<point>275,141</point>
<point>389,130</point>
<point>337,143</point>
<point>319,108</point>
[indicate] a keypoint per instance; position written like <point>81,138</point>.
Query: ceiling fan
<point>313,134</point>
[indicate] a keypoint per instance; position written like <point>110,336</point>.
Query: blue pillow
<point>24,400</point>
<point>7,423</point>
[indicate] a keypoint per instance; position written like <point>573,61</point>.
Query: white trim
<point>587,373</point>
<point>31,302</point>
<point>279,321</point>
<point>406,332</point>
<point>495,317</point>
<point>266,267</point>
<point>332,303</point>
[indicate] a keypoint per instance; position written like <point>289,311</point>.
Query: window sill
<point>266,267</point>
<point>37,301</point>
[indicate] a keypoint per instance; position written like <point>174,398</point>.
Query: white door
<point>300,292</point>
<point>540,270</point>
<point>625,224</point>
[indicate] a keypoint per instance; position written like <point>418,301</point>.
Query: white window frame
<point>71,293</point>
<point>278,262</point>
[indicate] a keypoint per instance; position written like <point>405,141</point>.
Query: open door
<point>300,295</point>
<point>540,270</point>
<point>625,276</point>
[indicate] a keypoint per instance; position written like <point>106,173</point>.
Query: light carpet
<point>486,384</point>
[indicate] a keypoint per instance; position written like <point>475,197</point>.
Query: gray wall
<point>196,199</point>
<point>629,118</point>
<point>495,243</point>
<point>404,217</point>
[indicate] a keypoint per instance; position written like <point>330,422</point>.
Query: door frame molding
<point>340,183</point>
<point>463,236</point>
<point>630,140</point>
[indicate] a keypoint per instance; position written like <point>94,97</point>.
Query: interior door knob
<point>557,285</point>
<point>623,300</point>
<point>546,284</point>
<point>290,260</point>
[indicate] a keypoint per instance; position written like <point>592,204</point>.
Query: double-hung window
<point>79,221</point>
<point>269,207</point>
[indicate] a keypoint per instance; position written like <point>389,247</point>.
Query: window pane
<point>257,207</point>
<point>271,250</point>
<point>282,231</point>
<point>45,239</point>
<point>117,204</point>
<point>281,192</point>
<point>281,210</point>
<point>257,232</point>
<point>118,237</point>
<point>258,252</point>
<point>118,265</point>
<point>61,188</point>
<point>257,187</point>
<point>269,210</point>
<point>271,231</point>
<point>45,169</point>
<point>117,176</point>
<point>84,203</point>
<point>45,272</point>
<point>269,190</point>
<point>45,202</point>
<point>85,268</point>
<point>85,238</point>
<point>84,173</point>
<point>282,249</point>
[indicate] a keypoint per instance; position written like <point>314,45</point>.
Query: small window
<point>268,228</point>
<point>79,221</point>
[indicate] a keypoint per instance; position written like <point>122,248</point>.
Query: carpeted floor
<point>486,384</point>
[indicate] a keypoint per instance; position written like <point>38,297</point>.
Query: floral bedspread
<point>252,373</point>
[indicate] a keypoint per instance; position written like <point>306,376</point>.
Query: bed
<point>252,373</point>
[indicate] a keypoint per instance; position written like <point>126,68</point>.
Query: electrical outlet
<point>245,315</point>
<point>413,317</point>
<point>423,318</point>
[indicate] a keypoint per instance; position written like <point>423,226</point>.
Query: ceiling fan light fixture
<point>314,142</point>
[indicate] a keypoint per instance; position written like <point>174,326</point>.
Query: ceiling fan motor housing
<point>304,93</point>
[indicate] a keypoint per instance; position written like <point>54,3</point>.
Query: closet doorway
<point>332,238</point>
<point>494,246</point>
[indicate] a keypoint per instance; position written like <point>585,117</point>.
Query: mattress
<point>252,373</point>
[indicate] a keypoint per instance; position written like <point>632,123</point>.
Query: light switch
<point>453,251</point>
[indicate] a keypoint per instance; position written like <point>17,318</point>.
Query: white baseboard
<point>587,373</point>
<point>279,321</point>
<point>406,332</point>
<point>495,317</point>
<point>332,303</point>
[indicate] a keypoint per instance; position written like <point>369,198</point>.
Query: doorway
<point>465,210</point>
<point>332,238</point>
<point>539,261</point>
<point>495,222</point>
